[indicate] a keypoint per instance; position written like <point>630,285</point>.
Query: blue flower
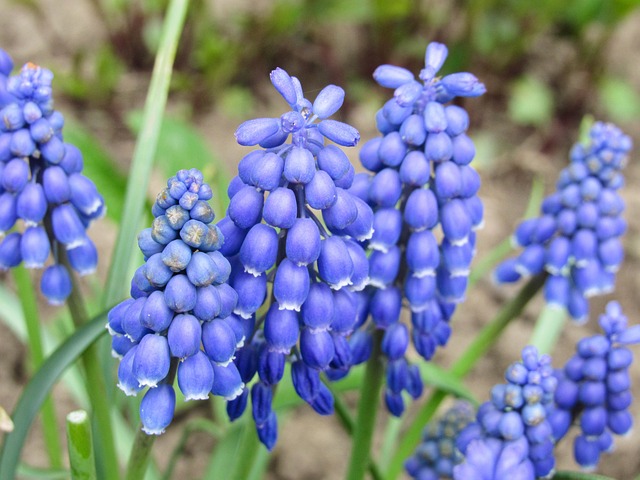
<point>272,235</point>
<point>421,188</point>
<point>576,238</point>
<point>594,388</point>
<point>41,185</point>
<point>179,317</point>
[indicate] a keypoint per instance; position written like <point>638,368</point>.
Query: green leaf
<point>80,446</point>
<point>531,102</point>
<point>25,471</point>
<point>619,99</point>
<point>100,167</point>
<point>38,388</point>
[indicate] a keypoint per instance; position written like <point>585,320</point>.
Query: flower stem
<point>367,409</point>
<point>481,343</point>
<point>548,328</point>
<point>32,320</point>
<point>140,453</point>
<point>107,458</point>
<point>80,446</point>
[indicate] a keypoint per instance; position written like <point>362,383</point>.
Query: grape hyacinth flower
<point>46,203</point>
<point>437,454</point>
<point>594,388</point>
<point>576,239</point>
<point>421,187</point>
<point>512,430</point>
<point>179,318</point>
<point>273,234</point>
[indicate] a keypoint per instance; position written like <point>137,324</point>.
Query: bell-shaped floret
<point>55,283</point>
<point>152,359</point>
<point>156,409</point>
<point>334,263</point>
<point>34,247</point>
<point>31,204</point>
<point>84,258</point>
<point>184,335</point>
<point>195,376</point>
<point>259,249</point>
<point>227,382</point>
<point>219,341</point>
<point>291,285</point>
<point>280,208</point>
<point>281,329</point>
<point>303,243</point>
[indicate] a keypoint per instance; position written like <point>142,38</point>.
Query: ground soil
<point>312,447</point>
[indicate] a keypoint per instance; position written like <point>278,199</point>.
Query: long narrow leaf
<point>40,385</point>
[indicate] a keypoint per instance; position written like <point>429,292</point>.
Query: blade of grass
<point>548,327</point>
<point>145,150</point>
<point>31,317</point>
<point>39,387</point>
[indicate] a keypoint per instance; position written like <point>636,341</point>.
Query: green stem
<point>367,409</point>
<point>145,149</point>
<point>481,343</point>
<point>566,475</point>
<point>140,453</point>
<point>107,458</point>
<point>29,304</point>
<point>548,327</point>
<point>80,446</point>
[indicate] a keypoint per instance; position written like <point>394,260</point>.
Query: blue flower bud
<point>334,263</point>
<point>34,247</point>
<point>281,329</point>
<point>463,149</point>
<point>385,188</point>
<point>268,431</point>
<point>317,348</point>
<point>420,290</point>
<point>203,237</point>
<point>620,422</point>
<point>202,270</point>
<point>318,310</point>
<point>156,272</point>
<point>84,258</point>
<point>299,166</point>
<point>306,380</point>
<point>53,150</point>
<point>586,451</point>
<point>156,409</point>
<point>151,363</point>
<point>457,120</point>
<point>387,226</point>
<point>611,253</point>
<point>321,191</point>
<point>202,212</point>
<point>267,173</point>
<point>176,255</point>
<point>55,283</point>
<point>531,260</point>
<point>323,401</point>
<point>415,169</point>
<point>434,117</point>
<point>120,345</point>
<point>259,249</point>
<point>280,208</point>
<point>127,381</point>
<point>462,84</point>
<point>226,381</point>
<point>252,132</point>
<point>177,216</point>
<point>219,341</point>
<point>390,76</point>
<point>195,377</point>
<point>180,294</point>
<point>447,181</point>
<point>394,403</point>
<point>408,93</point>
<point>384,267</point>
<point>155,314</point>
<point>31,204</point>
<point>8,214</point>
<point>422,254</point>
<point>146,243</point>
<point>284,85</point>
<point>245,208</point>
<point>246,167</point>
<point>339,132</point>
<point>251,292</point>
<point>342,213</point>
<point>361,345</point>
<point>392,148</point>
<point>369,154</point>
<point>10,252</point>
<point>22,145</point>
<point>228,299</point>
<point>15,175</point>
<point>421,210</point>
<point>237,406</point>
<point>360,275</point>
<point>291,285</point>
<point>261,399</point>
<point>208,303</point>
<point>333,161</point>
<point>161,230</point>
<point>511,426</point>
<point>385,306</point>
<point>271,366</point>
<point>438,147</point>
<point>184,336</point>
<point>233,237</point>
<point>328,101</point>
<point>84,195</point>
<point>451,289</point>
<point>395,341</point>
<point>455,221</point>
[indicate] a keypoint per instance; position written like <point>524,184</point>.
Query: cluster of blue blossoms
<point>576,239</point>
<point>422,187</point>
<point>179,317</point>
<point>41,183</point>
<point>594,388</point>
<point>273,234</point>
<point>515,433</point>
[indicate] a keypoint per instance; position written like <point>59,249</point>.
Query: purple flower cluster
<point>41,184</point>
<point>576,239</point>
<point>273,234</point>
<point>437,454</point>
<point>594,388</point>
<point>512,429</point>
<point>179,316</point>
<point>421,186</point>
